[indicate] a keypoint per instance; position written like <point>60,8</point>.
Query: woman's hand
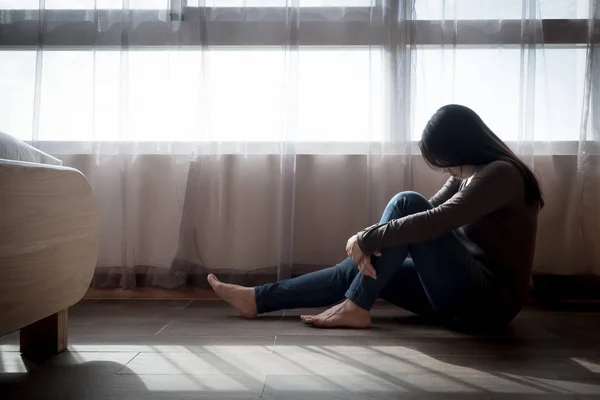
<point>366,268</point>
<point>353,250</point>
<point>361,259</point>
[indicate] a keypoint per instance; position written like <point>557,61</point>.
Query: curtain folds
<point>252,138</point>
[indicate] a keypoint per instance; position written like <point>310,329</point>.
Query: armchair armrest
<point>48,241</point>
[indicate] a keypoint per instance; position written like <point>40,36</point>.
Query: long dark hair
<point>456,136</point>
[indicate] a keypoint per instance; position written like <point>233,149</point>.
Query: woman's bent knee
<point>410,202</point>
<point>403,204</point>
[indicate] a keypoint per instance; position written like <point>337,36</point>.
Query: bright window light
<point>84,4</point>
<point>491,81</point>
<point>221,95</point>
<point>505,9</point>
<point>280,3</point>
<point>166,4</point>
<point>17,91</point>
<point>273,95</point>
<point>12,363</point>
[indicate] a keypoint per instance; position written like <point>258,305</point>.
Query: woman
<point>471,245</point>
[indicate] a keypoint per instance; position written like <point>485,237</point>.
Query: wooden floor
<point>180,349</point>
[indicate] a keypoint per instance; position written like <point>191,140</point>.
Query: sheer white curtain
<point>252,137</point>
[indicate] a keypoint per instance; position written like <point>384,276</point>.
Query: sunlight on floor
<point>9,347</point>
<point>561,386</point>
<point>333,368</point>
<point>170,348</point>
<point>94,348</point>
<point>314,369</point>
<point>592,367</point>
<point>12,363</point>
<point>197,383</point>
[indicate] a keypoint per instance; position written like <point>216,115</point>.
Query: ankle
<point>349,305</point>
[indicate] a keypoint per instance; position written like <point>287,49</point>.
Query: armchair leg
<point>45,337</point>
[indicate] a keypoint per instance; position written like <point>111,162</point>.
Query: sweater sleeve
<point>492,188</point>
<point>449,189</point>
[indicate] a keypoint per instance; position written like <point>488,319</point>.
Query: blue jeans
<point>442,279</point>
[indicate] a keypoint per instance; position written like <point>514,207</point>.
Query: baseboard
<point>547,289</point>
<point>142,293</point>
<point>561,288</point>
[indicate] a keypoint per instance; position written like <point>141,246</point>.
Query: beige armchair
<point>48,251</point>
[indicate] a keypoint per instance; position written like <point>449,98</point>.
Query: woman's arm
<point>495,186</point>
<point>449,189</point>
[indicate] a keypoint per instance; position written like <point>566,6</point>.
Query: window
<point>86,95</point>
<point>280,3</point>
<point>504,9</point>
<point>223,70</point>
<point>84,4</point>
<point>490,81</point>
<point>17,92</point>
<point>165,4</point>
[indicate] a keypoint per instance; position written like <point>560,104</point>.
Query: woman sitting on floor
<point>471,246</point>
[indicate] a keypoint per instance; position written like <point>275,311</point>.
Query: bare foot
<point>239,297</point>
<point>344,315</point>
<point>330,311</point>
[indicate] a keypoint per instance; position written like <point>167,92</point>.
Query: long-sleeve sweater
<point>491,213</point>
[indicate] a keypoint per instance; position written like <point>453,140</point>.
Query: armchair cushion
<point>17,150</point>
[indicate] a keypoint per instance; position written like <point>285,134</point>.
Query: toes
<point>212,279</point>
<point>320,322</point>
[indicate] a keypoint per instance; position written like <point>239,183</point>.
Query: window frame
<point>313,27</point>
